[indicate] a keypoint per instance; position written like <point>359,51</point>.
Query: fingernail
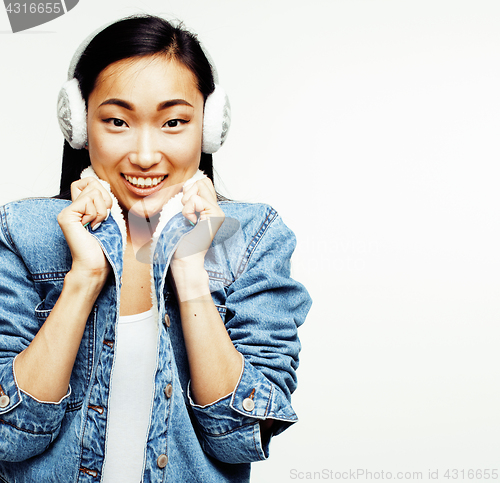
<point>96,226</point>
<point>191,222</point>
<point>107,216</point>
<point>86,224</point>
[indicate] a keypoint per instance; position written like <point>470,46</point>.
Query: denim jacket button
<point>167,320</point>
<point>4,401</point>
<point>162,461</point>
<point>248,404</point>
<point>169,390</point>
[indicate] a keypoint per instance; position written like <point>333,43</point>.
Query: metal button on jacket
<point>168,390</point>
<point>248,404</point>
<point>4,401</point>
<point>162,461</point>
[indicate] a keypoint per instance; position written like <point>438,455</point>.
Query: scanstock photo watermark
<point>363,474</point>
<point>26,15</point>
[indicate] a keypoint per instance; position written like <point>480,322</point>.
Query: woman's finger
<point>195,204</point>
<point>80,185</point>
<point>201,199</point>
<point>86,207</point>
<point>101,210</point>
<point>89,207</point>
<point>89,190</point>
<point>86,184</point>
<point>203,188</point>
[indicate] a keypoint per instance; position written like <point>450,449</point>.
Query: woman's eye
<point>116,122</point>
<point>175,123</point>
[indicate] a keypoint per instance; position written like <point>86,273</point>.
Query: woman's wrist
<point>87,282</point>
<point>190,278</point>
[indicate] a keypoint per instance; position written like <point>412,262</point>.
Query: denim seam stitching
<point>255,241</point>
<point>256,436</point>
<point>5,229</point>
<point>48,276</point>
<point>74,406</point>
<point>91,345</point>
<point>268,405</point>
<point>169,417</point>
<point>219,277</point>
<point>84,425</point>
<point>38,433</point>
<point>225,433</point>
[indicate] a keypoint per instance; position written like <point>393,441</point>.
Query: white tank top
<point>131,393</point>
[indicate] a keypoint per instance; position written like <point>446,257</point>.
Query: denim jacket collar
<point>169,210</point>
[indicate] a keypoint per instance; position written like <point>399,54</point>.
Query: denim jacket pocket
<point>82,369</point>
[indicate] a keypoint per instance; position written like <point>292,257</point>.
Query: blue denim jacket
<point>261,306</point>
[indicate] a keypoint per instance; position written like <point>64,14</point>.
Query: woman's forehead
<point>157,75</point>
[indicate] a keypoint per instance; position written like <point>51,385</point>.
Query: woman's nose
<point>146,153</point>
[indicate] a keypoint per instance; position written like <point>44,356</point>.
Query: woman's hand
<point>90,205</point>
<point>187,265</point>
<point>199,198</point>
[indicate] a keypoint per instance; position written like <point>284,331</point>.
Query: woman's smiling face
<point>145,122</point>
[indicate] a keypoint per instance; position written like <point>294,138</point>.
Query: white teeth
<point>144,182</point>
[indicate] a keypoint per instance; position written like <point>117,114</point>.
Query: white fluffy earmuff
<point>72,112</point>
<point>216,120</point>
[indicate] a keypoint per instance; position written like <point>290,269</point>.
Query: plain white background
<point>372,126</point>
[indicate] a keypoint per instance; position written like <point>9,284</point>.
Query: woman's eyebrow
<point>118,102</point>
<point>130,107</point>
<point>173,102</point>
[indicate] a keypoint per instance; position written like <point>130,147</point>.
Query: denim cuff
<point>24,411</point>
<point>230,426</point>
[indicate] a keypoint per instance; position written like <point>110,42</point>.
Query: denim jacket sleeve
<point>27,426</point>
<point>265,306</point>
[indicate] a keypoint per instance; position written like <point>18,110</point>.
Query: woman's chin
<point>144,210</point>
<point>149,206</point>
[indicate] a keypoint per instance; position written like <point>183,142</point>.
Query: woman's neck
<point>140,232</point>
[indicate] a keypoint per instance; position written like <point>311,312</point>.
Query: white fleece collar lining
<point>169,210</point>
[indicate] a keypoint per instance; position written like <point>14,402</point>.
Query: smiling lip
<point>144,185</point>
